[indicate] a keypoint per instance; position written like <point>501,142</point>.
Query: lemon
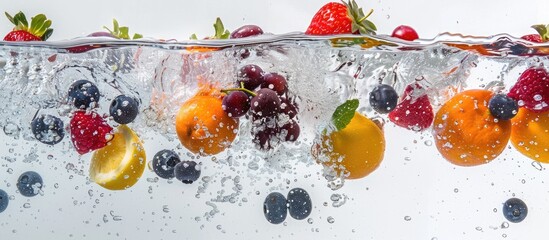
<point>357,149</point>
<point>120,164</point>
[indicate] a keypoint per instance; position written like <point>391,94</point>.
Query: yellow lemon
<point>357,149</point>
<point>530,134</point>
<point>120,164</point>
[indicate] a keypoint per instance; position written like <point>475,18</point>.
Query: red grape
<point>287,107</point>
<point>276,82</point>
<point>236,104</point>
<point>246,31</point>
<point>405,32</point>
<point>266,138</point>
<point>266,103</point>
<point>251,75</point>
<point>290,131</point>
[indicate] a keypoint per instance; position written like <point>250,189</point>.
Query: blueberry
<point>29,184</point>
<point>383,98</point>
<point>83,94</point>
<point>164,163</point>
<point>124,109</point>
<point>48,129</point>
<point>187,171</point>
<point>503,107</point>
<point>275,208</point>
<point>299,203</point>
<point>515,210</point>
<point>4,200</point>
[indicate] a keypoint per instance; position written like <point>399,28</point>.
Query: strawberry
<point>542,36</point>
<point>89,131</point>
<point>340,18</point>
<point>414,114</point>
<point>532,38</point>
<point>39,29</point>
<point>532,89</point>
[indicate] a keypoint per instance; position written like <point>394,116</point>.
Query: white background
<point>178,19</point>
<point>442,200</point>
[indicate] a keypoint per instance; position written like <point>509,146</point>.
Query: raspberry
<point>532,90</point>
<point>414,114</point>
<point>89,131</point>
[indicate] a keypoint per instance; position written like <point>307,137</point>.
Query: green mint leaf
<point>193,37</point>
<point>344,113</point>
<point>137,36</point>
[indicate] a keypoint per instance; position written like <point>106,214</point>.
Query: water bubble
<point>428,143</point>
<point>456,190</point>
<point>12,129</point>
<point>330,219</point>
<point>310,220</point>
<point>407,218</point>
<point>537,165</point>
<point>504,225</point>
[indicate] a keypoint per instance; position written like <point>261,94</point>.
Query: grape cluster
<point>264,98</point>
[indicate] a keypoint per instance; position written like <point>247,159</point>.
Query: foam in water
<point>414,190</point>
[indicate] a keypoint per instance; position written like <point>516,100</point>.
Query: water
<point>414,193</point>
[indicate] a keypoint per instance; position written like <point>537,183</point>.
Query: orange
<point>465,132</point>
<point>356,150</point>
<point>202,126</point>
<point>530,134</point>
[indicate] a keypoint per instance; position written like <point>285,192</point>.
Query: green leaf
<point>193,37</point>
<point>47,34</point>
<point>115,24</point>
<point>542,30</point>
<point>137,36</point>
<point>37,21</point>
<point>10,18</point>
<point>20,18</point>
<point>344,113</point>
<point>124,33</point>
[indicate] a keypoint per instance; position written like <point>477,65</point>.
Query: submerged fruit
<point>529,134</point>
<point>515,210</point>
<point>203,127</point>
<point>466,133</point>
<point>356,150</point>
<point>187,171</point>
<point>299,203</point>
<point>275,208</point>
<point>4,200</point>
<point>120,164</point>
<point>164,163</point>
<point>48,129</point>
<point>30,184</point>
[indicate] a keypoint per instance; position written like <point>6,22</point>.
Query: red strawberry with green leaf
<point>341,18</point>
<point>542,36</point>
<point>38,30</point>
<point>413,113</point>
<point>89,131</point>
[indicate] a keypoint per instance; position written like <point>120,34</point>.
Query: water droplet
<point>428,143</point>
<point>407,218</point>
<point>456,190</point>
<point>330,219</point>
<point>310,220</point>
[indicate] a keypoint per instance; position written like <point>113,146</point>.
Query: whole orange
<point>530,134</point>
<point>203,127</point>
<point>466,133</point>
